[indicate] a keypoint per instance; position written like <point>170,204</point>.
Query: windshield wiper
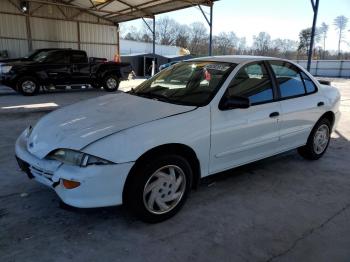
<point>153,96</point>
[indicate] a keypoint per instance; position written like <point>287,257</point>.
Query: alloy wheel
<point>164,189</point>
<point>321,139</point>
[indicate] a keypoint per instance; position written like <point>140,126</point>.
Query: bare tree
<point>199,38</point>
<point>241,45</point>
<point>145,34</point>
<point>166,31</point>
<point>132,34</point>
<point>282,47</point>
<point>323,31</point>
<point>262,43</point>
<point>304,40</point>
<point>224,43</point>
<point>340,23</point>
<point>182,36</point>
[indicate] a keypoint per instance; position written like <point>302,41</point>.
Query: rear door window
<point>288,78</point>
<point>78,58</point>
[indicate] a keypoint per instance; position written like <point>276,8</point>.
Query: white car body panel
<point>78,125</point>
<point>190,128</point>
<point>243,135</point>
<point>122,127</point>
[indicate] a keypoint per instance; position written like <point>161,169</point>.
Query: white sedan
<point>147,148</point>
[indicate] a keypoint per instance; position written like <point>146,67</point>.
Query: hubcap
<point>111,83</point>
<point>321,139</point>
<point>164,189</point>
<point>28,86</point>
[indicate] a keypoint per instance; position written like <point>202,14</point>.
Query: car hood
<point>78,125</point>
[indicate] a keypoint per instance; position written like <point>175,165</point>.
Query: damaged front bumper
<point>100,185</point>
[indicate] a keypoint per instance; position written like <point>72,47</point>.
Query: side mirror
<point>234,102</point>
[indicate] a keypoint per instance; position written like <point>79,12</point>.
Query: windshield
<point>31,54</point>
<point>191,83</point>
<point>40,56</point>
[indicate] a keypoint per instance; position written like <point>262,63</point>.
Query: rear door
<point>80,67</point>
<point>240,136</point>
<point>301,104</point>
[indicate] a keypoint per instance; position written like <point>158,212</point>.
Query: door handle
<point>274,114</point>
<point>320,103</point>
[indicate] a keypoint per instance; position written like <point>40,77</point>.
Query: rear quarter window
<point>309,85</point>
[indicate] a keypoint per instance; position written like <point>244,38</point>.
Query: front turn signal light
<point>70,184</point>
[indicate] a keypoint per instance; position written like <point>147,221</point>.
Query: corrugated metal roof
<point>126,10</point>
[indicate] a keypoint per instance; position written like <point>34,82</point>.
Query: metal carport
<point>117,11</point>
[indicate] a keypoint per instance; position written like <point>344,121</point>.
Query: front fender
<point>191,129</point>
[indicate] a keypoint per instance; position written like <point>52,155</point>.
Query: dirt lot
<point>280,209</point>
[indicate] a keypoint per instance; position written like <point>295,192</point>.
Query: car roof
<point>237,59</point>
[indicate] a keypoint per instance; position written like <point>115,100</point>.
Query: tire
<point>153,194</point>
<point>111,83</point>
<point>318,140</point>
<point>28,86</point>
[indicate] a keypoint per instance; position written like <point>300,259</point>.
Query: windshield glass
<point>191,83</point>
<point>40,56</point>
<point>31,54</point>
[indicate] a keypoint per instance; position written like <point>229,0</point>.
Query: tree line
<point>195,38</point>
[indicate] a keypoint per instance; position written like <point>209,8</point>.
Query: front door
<point>57,68</point>
<point>240,136</point>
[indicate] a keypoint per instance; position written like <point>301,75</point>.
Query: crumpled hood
<point>80,124</point>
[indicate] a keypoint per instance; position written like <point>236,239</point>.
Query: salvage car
<point>61,68</point>
<point>147,148</point>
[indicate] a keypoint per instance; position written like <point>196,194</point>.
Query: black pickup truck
<point>60,68</point>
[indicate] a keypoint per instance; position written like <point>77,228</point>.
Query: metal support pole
<point>118,40</point>
<point>153,31</point>
<point>154,46</point>
<point>29,31</point>
<point>211,30</point>
<point>314,4</point>
<point>29,34</point>
<point>78,35</point>
<point>210,23</point>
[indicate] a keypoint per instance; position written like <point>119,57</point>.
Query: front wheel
<point>111,83</point>
<point>158,190</point>
<point>318,141</point>
<point>27,86</point>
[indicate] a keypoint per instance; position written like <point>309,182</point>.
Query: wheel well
<point>178,149</point>
<point>330,116</point>
<point>111,72</point>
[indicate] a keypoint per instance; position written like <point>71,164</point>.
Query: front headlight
<point>5,69</point>
<point>76,158</point>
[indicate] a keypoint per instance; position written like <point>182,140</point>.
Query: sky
<point>279,18</point>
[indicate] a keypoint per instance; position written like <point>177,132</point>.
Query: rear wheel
<point>111,83</point>
<point>158,189</point>
<point>318,141</point>
<point>27,86</point>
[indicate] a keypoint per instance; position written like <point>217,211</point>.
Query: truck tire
<point>111,83</point>
<point>28,86</point>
